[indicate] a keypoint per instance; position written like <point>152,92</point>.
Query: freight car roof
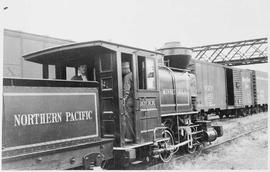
<point>217,64</point>
<point>74,51</point>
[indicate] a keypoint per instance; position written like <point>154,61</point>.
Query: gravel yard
<point>248,152</point>
<point>235,126</point>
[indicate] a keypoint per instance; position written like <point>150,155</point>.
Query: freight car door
<point>147,99</point>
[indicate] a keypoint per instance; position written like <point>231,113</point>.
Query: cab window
<point>70,72</point>
<point>106,62</point>
<point>64,72</point>
<point>146,73</point>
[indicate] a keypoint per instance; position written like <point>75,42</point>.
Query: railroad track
<point>235,137</point>
<point>219,144</point>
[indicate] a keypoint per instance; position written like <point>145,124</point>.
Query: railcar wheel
<point>191,150</point>
<point>166,156</point>
<point>107,164</point>
<point>220,116</point>
<point>245,112</point>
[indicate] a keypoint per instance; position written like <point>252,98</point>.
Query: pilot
<point>82,70</point>
<point>128,92</point>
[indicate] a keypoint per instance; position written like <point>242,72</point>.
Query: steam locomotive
<point>58,123</point>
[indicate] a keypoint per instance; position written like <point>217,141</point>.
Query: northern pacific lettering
<point>50,118</point>
<point>78,116</point>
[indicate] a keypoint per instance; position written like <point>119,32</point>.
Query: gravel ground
<point>248,152</point>
<point>235,126</point>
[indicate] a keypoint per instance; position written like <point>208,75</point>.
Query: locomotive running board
<point>182,113</point>
<point>132,146</point>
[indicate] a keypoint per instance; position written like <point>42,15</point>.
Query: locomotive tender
<point>62,124</point>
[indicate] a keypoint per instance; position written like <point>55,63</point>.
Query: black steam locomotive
<point>58,123</point>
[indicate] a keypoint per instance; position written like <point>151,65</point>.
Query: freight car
<point>226,91</point>
<point>211,87</point>
<point>18,43</point>
<point>60,124</point>
<point>260,90</point>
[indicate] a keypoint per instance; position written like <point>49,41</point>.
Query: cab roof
<point>77,51</point>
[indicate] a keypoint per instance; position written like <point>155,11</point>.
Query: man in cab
<point>82,74</point>
<point>128,94</point>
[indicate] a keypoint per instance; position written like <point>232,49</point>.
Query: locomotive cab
<point>103,60</point>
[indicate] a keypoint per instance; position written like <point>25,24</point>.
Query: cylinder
<point>219,130</point>
<point>210,134</point>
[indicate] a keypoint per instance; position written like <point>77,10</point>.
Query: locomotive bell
<point>175,55</point>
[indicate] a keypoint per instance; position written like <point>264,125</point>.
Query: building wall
<point>16,44</point>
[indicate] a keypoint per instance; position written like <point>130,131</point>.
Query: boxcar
<point>260,89</point>
<point>211,87</point>
<point>226,91</point>
<point>239,91</point>
<point>247,88</point>
<point>18,43</point>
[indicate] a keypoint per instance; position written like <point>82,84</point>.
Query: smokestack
<point>175,55</point>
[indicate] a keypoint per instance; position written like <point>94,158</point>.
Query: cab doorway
<point>128,98</point>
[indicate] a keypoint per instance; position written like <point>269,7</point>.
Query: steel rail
<point>218,144</point>
<point>234,138</point>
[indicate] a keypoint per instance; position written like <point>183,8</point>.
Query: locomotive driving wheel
<point>191,150</point>
<point>167,154</point>
<point>195,148</point>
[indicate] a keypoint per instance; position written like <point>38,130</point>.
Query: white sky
<point>145,24</point>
